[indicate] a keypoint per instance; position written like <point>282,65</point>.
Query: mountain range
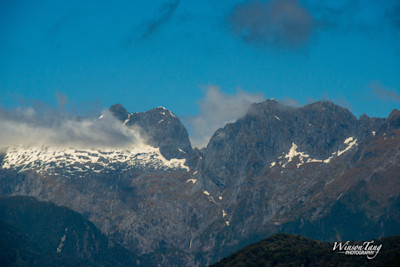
<point>316,170</point>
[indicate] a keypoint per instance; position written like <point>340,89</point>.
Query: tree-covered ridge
<point>295,250</point>
<point>37,233</point>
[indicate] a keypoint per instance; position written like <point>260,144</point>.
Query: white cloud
<point>30,127</point>
<point>216,110</point>
<point>291,102</point>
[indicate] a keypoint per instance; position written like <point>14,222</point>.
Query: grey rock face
<point>394,119</point>
<point>119,112</point>
<point>268,131</point>
<point>164,130</point>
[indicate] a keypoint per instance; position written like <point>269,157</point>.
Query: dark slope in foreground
<point>295,250</point>
<point>17,249</point>
<point>41,233</point>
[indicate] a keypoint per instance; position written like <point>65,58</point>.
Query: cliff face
<point>269,131</point>
<point>164,130</point>
<point>313,170</point>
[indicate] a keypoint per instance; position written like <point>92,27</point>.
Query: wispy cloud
<point>217,109</point>
<point>149,27</point>
<point>384,93</point>
<point>53,127</point>
<point>291,102</point>
<point>60,23</point>
<point>368,16</point>
<point>393,15</point>
<point>278,23</point>
<point>56,31</point>
<point>62,100</point>
<point>164,15</point>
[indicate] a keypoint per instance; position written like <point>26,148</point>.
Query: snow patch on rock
<point>350,142</point>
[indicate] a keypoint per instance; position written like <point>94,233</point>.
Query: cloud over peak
<point>217,109</point>
<point>29,127</point>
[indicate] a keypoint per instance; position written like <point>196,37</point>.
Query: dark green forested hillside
<point>295,250</point>
<point>17,249</point>
<point>36,233</point>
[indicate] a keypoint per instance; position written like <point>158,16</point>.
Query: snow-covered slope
<point>72,160</point>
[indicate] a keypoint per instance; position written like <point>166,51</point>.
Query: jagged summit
<point>119,112</point>
<point>164,130</point>
<point>160,127</point>
<point>271,130</point>
<point>394,118</point>
<point>266,106</point>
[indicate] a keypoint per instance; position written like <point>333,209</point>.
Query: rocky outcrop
<point>164,130</point>
<point>119,112</point>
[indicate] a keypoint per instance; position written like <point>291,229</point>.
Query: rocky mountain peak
<point>394,119</point>
<point>119,112</point>
<point>267,106</point>
<point>164,130</point>
<point>271,130</point>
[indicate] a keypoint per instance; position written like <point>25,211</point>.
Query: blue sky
<point>143,54</point>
